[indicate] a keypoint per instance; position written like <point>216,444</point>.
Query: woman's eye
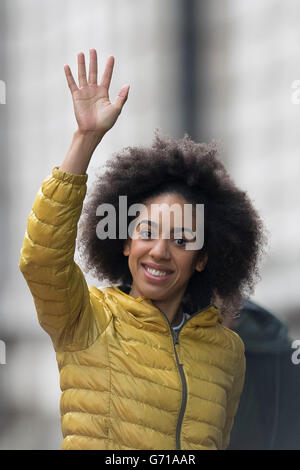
<point>146,234</point>
<point>181,240</point>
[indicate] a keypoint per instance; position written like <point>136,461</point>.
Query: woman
<point>145,363</point>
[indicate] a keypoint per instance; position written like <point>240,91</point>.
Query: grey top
<point>185,317</point>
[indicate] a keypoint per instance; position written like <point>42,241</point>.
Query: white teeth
<point>154,272</point>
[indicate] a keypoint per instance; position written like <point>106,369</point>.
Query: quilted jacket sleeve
<point>236,391</point>
<point>58,287</point>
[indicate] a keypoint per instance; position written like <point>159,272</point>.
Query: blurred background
<point>218,70</point>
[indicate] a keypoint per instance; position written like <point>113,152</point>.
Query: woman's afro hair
<point>234,236</point>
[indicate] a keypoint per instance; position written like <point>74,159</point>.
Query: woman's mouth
<point>155,274</point>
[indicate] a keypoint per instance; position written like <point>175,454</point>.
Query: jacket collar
<point>142,312</point>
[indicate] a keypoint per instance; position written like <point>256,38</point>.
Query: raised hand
<point>93,109</point>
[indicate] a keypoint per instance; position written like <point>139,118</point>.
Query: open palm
<point>92,106</point>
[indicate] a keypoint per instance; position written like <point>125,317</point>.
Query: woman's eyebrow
<point>148,222</point>
<point>174,229</point>
<point>182,229</point>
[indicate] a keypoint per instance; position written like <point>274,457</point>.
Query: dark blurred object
<point>268,416</point>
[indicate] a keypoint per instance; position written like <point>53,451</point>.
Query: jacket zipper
<point>175,335</point>
<point>184,391</point>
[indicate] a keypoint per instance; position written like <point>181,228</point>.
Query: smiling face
<point>159,262</point>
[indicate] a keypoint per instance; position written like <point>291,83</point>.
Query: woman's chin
<point>154,292</point>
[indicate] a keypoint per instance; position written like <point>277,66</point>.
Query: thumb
<point>122,97</point>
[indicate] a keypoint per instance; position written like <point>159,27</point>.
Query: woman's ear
<point>201,263</point>
<point>126,248</point>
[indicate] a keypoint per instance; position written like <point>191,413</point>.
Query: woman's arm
<point>56,282</point>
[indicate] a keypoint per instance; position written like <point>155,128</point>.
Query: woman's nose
<point>160,248</point>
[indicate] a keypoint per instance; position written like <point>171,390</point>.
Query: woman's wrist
<point>80,152</point>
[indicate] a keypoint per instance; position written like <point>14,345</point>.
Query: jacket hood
<point>261,331</point>
<point>142,311</point>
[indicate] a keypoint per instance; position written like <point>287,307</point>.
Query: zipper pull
<point>175,336</point>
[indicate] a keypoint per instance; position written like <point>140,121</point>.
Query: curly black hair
<point>234,235</point>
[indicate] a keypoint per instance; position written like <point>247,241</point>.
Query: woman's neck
<point>172,308</point>
<point>173,311</point>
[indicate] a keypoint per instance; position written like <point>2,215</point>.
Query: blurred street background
<point>215,69</point>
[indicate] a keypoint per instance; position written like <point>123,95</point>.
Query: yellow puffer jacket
<point>127,382</point>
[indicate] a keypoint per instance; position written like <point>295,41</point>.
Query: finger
<point>70,79</point>
<point>93,69</point>
<point>107,74</point>
<point>122,97</point>
<point>81,69</point>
